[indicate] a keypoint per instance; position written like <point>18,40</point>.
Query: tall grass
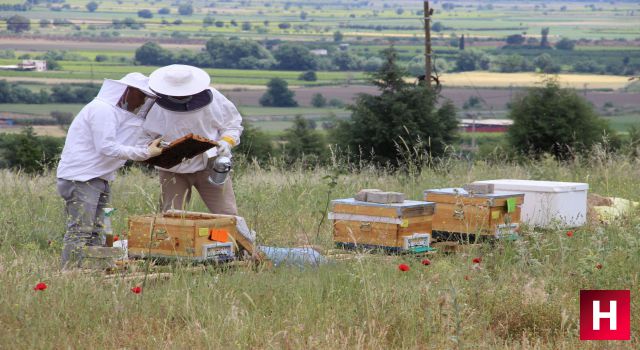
<point>525,295</point>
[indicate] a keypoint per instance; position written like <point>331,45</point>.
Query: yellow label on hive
<point>495,214</point>
<point>203,231</point>
<point>405,223</point>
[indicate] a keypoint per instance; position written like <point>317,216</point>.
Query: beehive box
<point>460,212</point>
<point>402,226</point>
<point>200,238</point>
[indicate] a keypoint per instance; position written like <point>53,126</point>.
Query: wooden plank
<point>375,233</point>
<point>366,210</point>
<point>475,219</point>
<point>460,199</point>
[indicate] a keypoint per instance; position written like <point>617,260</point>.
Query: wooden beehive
<point>196,236</point>
<point>394,226</point>
<point>461,212</point>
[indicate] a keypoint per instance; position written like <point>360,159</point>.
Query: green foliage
<point>318,100</point>
<point>337,36</point>
<point>515,39</point>
<point>511,64</point>
<point>18,24</point>
<point>550,119</point>
<point>185,9</point>
<point>308,76</point>
<point>345,61</point>
<point>254,144</point>
<point>238,53</point>
<point>28,152</point>
<point>278,94</point>
<point>62,118</point>
<point>92,6</point>
<point>469,60</point>
<point>78,93</point>
<point>14,93</point>
<point>294,57</point>
<point>302,142</point>
<point>208,21</point>
<point>405,119</point>
<point>565,44</point>
<point>153,54</point>
<point>145,13</point>
<point>164,11</point>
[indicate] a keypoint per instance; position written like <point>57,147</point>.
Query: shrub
<point>308,76</point>
<point>278,94</point>
<point>318,100</point>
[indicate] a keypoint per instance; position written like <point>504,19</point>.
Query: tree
<point>255,145</point>
<point>164,11</point>
<point>45,23</point>
<point>30,153</point>
<point>246,26</point>
<point>207,21</point>
<point>437,27</point>
<point>469,60</point>
<point>303,142</point>
<point>318,100</point>
<point>92,6</point>
<point>515,39</point>
<point>550,119</point>
<point>219,24</point>
<point>337,36</point>
<point>295,57</point>
<point>346,61</point>
<point>145,14</point>
<point>461,43</point>
<point>153,55</point>
<point>284,25</point>
<point>303,15</point>
<point>544,40</point>
<point>308,76</point>
<point>185,10</point>
<point>565,44</point>
<point>545,64</point>
<point>238,53</point>
<point>17,24</point>
<point>403,120</point>
<point>278,94</point>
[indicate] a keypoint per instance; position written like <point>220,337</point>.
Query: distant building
<point>485,125</point>
<point>319,52</point>
<point>30,65</point>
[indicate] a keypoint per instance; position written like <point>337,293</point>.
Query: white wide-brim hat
<point>138,81</point>
<point>179,80</point>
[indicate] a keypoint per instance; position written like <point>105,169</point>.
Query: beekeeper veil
<point>136,97</point>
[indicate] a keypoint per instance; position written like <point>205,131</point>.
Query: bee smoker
<point>219,170</point>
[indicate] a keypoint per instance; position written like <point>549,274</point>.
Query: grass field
<point>491,79</point>
<point>524,294</point>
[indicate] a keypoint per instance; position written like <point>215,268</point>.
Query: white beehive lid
<point>536,186</point>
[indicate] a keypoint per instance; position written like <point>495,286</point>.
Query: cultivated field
<point>524,295</point>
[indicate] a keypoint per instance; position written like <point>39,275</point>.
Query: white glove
<point>224,148</point>
<point>154,148</point>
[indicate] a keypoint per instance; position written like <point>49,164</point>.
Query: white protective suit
<point>218,120</point>
<point>101,138</point>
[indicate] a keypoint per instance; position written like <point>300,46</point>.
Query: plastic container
<point>548,203</point>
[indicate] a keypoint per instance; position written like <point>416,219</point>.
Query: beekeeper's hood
<point>181,88</point>
<point>115,92</point>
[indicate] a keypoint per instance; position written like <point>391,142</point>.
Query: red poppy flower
<point>569,233</point>
<point>599,266</point>
<point>116,238</point>
<point>426,262</point>
<point>137,289</point>
<point>466,278</point>
<point>40,286</point>
<point>477,260</point>
<point>403,267</point>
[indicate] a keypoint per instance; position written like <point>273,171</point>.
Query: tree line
<point>61,93</point>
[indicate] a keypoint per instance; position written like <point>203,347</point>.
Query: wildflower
<point>137,289</point>
<point>599,266</point>
<point>426,262</point>
<point>40,286</point>
<point>569,233</point>
<point>477,260</point>
<point>403,267</point>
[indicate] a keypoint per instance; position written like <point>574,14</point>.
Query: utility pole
<point>427,42</point>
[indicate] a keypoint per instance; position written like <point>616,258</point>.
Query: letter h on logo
<point>599,324</point>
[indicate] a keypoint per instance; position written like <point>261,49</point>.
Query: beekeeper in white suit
<point>101,138</point>
<point>187,104</point>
